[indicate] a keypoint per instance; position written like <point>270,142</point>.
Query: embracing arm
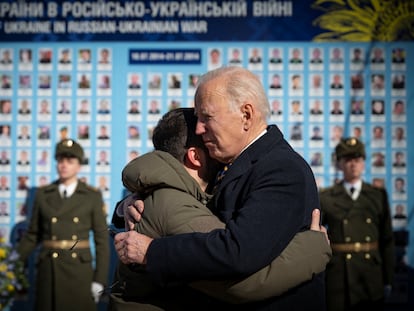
<point>133,246</point>
<point>306,255</point>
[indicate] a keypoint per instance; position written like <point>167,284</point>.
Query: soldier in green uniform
<point>64,213</point>
<point>359,226</point>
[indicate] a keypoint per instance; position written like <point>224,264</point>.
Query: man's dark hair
<point>175,133</point>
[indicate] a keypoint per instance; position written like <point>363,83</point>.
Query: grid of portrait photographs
<point>52,93</point>
<point>317,93</point>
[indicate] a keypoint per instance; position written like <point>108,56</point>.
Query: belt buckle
<point>64,243</point>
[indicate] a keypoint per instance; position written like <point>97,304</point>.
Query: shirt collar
<point>260,135</point>
<point>70,189</point>
<point>357,188</point>
<point>357,185</point>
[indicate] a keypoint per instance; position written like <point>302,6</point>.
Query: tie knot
<point>352,190</point>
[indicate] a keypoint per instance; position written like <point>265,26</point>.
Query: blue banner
<point>157,20</point>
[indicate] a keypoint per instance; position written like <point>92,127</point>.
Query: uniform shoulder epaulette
<point>47,187</point>
<point>375,188</point>
<point>325,189</point>
<point>91,188</point>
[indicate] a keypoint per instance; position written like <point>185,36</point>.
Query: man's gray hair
<point>240,85</point>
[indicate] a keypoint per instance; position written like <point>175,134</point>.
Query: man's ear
<point>193,157</point>
<point>247,110</point>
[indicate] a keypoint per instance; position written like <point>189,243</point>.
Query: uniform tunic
<point>353,277</point>
<point>64,275</point>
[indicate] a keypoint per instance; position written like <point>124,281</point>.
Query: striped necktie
<point>220,176</point>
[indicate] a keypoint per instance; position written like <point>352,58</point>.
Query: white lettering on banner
<point>142,56</point>
<point>149,27</point>
<point>21,9</point>
<point>191,56</point>
<point>92,27</point>
<point>272,8</point>
<point>52,9</point>
<point>106,27</point>
<point>106,16</point>
<point>103,9</point>
<point>198,9</point>
<point>27,27</point>
<point>194,26</point>
<point>59,27</point>
<point>165,56</point>
<point>135,9</point>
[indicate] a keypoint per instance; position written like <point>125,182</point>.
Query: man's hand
<point>132,213</point>
<point>315,224</point>
<point>131,209</point>
<point>132,247</point>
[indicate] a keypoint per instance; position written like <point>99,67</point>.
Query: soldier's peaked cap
<point>69,148</point>
<point>350,148</point>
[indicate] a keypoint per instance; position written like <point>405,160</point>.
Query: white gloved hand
<point>96,290</point>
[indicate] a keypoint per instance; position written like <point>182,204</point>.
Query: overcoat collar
<point>252,154</point>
